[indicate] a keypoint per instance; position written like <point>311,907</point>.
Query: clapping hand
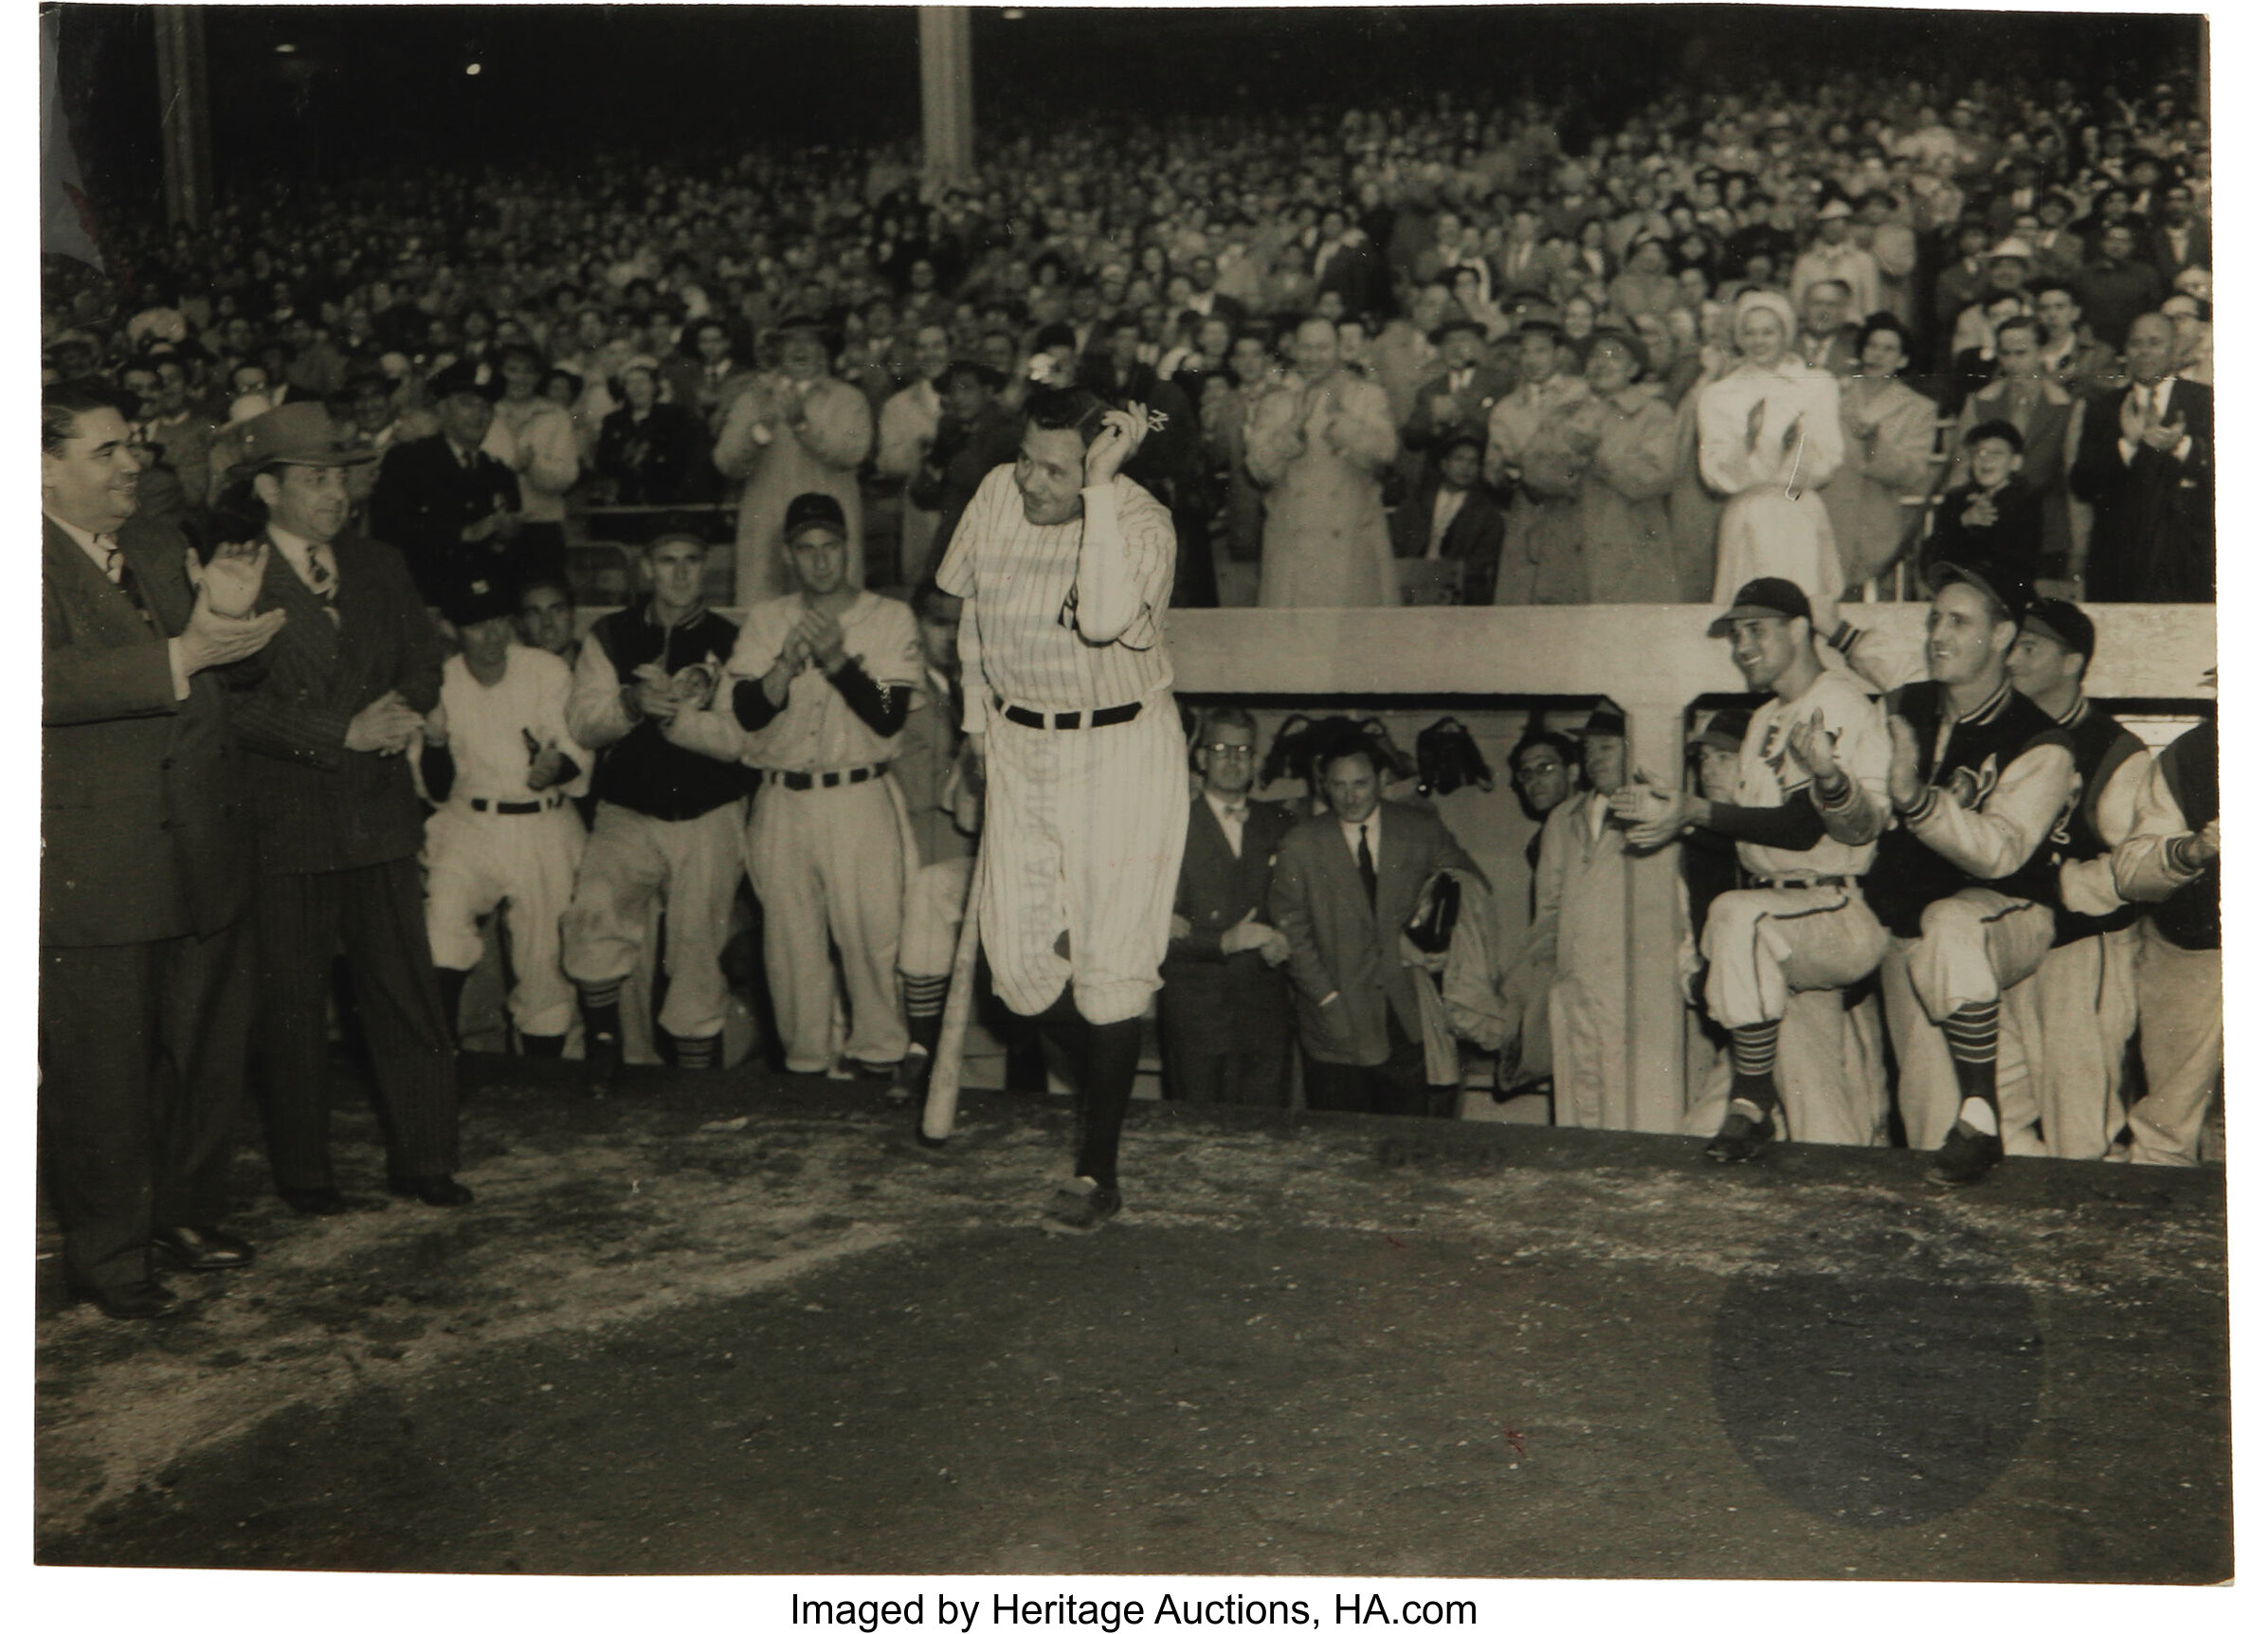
<point>386,725</point>
<point>654,696</point>
<point>1122,432</point>
<point>230,582</point>
<point>2166,436</point>
<point>1794,433</point>
<point>821,633</point>
<point>1756,424</point>
<point>1813,746</point>
<point>1905,762</point>
<point>1654,815</point>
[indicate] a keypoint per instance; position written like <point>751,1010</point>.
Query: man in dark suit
<point>146,980</point>
<point>1345,883</point>
<point>1451,518</point>
<point>2180,240</point>
<point>2145,463</point>
<point>355,668</point>
<point>1223,1017</point>
<point>450,508</point>
<point>1459,395</point>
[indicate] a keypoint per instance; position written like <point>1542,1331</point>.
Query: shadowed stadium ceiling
<point>366,88</point>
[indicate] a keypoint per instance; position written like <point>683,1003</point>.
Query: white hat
<point>2009,248</point>
<point>1833,208</point>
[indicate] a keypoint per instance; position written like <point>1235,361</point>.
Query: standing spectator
<point>2180,240</point>
<point>795,430</point>
<point>2080,363</point>
<point>1770,436</point>
<point>498,762</point>
<point>145,961</point>
<point>2026,396</point>
<point>1515,426</point>
<point>668,822</point>
<point>2145,463</point>
<point>1889,437</point>
<point>449,506</point>
<point>1317,443</point>
<point>2118,288</point>
<point>1990,523</point>
<point>355,668</point>
<point>2005,270</point>
<point>648,450</point>
<point>1546,768</point>
<point>1614,449</point>
<point>536,439</point>
<point>1828,340</point>
<point>1833,256</point>
<point>1890,242</point>
<point>1224,1013</point>
<point>2173,861</point>
<point>909,431</point>
<point>1451,517</point>
<point>1227,420</point>
<point>1458,394</point>
<point>708,381</point>
<point>976,433</point>
<point>184,434</point>
<point>1344,884</point>
<point>813,698</point>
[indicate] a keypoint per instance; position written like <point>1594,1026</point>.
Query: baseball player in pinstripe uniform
<point>814,697</point>
<point>1811,804</point>
<point>1064,567</point>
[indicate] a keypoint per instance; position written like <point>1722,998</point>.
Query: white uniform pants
<point>829,864</point>
<point>2086,991</point>
<point>694,866</point>
<point>2180,991</point>
<point>475,859</point>
<point>1762,945</point>
<point>936,896</point>
<point>1083,833</point>
<point>1976,946</point>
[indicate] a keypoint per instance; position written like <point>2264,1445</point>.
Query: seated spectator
<point>1990,523</point>
<point>1450,518</point>
<point>545,618</point>
<point>648,449</point>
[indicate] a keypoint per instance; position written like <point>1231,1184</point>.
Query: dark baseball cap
<point>1763,598</point>
<point>478,600</point>
<point>808,511</point>
<point>2060,621</point>
<point>2011,587</point>
<point>1726,729</point>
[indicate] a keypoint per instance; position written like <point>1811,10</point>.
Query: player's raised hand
<point>1813,746</point>
<point>1122,432</point>
<point>1905,762</point>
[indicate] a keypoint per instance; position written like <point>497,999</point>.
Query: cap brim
<point>1722,625</point>
<point>1943,573</point>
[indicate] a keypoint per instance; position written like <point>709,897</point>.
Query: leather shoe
<point>131,1301</point>
<point>313,1199</point>
<point>436,1190</point>
<point>1740,1138</point>
<point>195,1248</point>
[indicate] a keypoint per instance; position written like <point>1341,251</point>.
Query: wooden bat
<point>960,994</point>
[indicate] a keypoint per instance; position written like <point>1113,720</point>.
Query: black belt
<point>803,780</point>
<point>1797,884</point>
<point>513,807</point>
<point>1071,720</point>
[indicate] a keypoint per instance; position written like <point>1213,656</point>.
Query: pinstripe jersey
<point>1020,638</point>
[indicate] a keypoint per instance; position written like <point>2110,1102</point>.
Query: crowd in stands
<point>1769,351</point>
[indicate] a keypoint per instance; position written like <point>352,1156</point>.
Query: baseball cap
<point>1833,208</point>
<point>478,600</point>
<point>2063,621</point>
<point>1726,729</point>
<point>2009,248</point>
<point>1762,598</point>
<point>2009,587</point>
<point>808,511</point>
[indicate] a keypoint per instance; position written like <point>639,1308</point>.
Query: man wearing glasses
<point>1224,1015</point>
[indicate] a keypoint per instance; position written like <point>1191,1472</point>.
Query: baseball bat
<point>960,994</point>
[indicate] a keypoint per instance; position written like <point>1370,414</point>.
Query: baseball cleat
<point>1080,1205</point>
<point>1965,1158</point>
<point>1740,1138</point>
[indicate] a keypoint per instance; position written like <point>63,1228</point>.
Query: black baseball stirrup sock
<point>1114,1052</point>
<point>1972,1033</point>
<point>1756,1047</point>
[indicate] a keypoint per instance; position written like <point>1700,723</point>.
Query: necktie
<point>1366,865</point>
<point>322,578</point>
<point>113,563</point>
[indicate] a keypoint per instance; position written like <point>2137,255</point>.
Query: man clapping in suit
<point>1224,1016</point>
<point>146,980</point>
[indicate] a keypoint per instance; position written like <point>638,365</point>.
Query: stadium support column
<point>948,93</point>
<point>1656,1010</point>
<point>184,115</point>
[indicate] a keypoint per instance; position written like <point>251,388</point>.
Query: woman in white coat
<point>1771,437</point>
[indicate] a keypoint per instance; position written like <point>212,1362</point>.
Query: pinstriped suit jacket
<point>319,805</point>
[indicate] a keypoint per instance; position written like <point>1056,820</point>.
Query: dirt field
<point>1314,1345</point>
